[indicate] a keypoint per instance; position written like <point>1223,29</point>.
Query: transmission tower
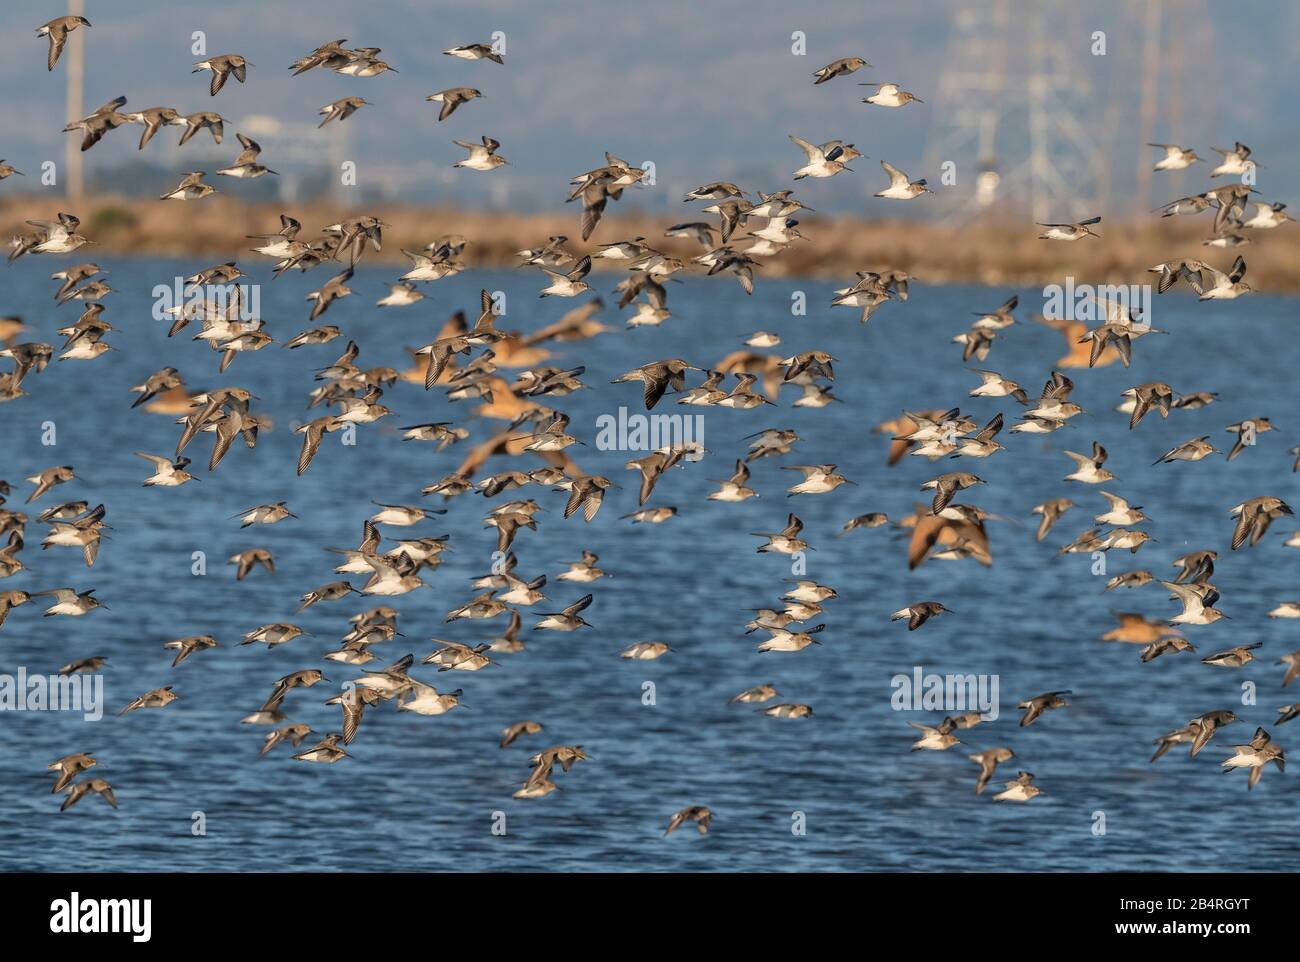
<point>1010,107</point>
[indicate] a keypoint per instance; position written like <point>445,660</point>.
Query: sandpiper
<point>265,514</point>
<point>900,187</point>
<point>699,814</point>
<point>245,561</point>
<point>475,51</point>
<point>157,698</point>
<point>1175,158</point>
<point>1236,657</point>
<point>482,156</point>
<point>988,762</point>
<point>839,68</point>
<point>1196,449</point>
<point>512,733</point>
<point>889,95</point>
<point>341,109</point>
<point>57,30</point>
<point>246,165</point>
<point>935,738</point>
<point>97,786</point>
<point>70,602</point>
<point>820,163</point>
<point>1253,518</point>
<point>190,188</point>
<point>1070,232</point>
<point>69,767</point>
<point>919,613</point>
<point>325,752</point>
<point>1256,755</point>
<point>1033,707</point>
<point>451,98</point>
<point>1020,790</point>
<point>222,67</point>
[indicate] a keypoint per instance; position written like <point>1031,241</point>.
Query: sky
<point>703,91</point>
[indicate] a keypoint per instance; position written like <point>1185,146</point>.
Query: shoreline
<point>989,252</point>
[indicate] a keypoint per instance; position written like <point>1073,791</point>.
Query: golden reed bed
<point>1002,253</point>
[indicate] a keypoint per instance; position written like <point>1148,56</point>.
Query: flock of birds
<point>352,396</point>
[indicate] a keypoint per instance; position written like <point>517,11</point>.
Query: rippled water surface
<point>421,793</point>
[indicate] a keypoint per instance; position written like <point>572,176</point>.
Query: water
<point>421,793</point>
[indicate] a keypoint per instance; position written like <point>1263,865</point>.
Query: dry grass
<point>996,253</point>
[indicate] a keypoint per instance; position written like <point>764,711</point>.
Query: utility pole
<point>75,63</point>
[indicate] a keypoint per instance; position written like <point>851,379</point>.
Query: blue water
<point>421,793</point>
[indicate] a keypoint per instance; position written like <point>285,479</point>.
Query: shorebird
<point>185,647</point>
<point>79,790</point>
<point>426,700</point>
<point>208,120</point>
<point>325,752</point>
<point>272,635</point>
<point>246,165</point>
<point>699,814</point>
<point>1120,513</point>
<point>157,698</point>
<point>1050,512</point>
<point>245,561</point>
<point>1236,162</point>
<point>342,109</point>
<point>482,156</point>
<point>57,31</point>
<point>819,163</point>
<point>1070,232</point>
<point>293,734</point>
<point>1197,601</point>
<point>1267,216</point>
<point>935,738</point>
<point>476,51</point>
<point>568,619</point>
<point>70,602</point>
<point>191,188</point>
<point>1090,470</point>
<point>1253,518</point>
<point>919,613</point>
<point>1193,450</point>
<point>988,762</point>
<point>1213,284</point>
<point>222,67</point>
<point>1020,790</point>
<point>451,98</point>
<point>889,95</point>
<point>512,733</point>
<point>782,639</point>
<point>1033,707</point>
<point>1234,657</point>
<point>947,485</point>
<point>900,187</point>
<point>8,170</point>
<point>265,514</point>
<point>839,68</point>
<point>658,377</point>
<point>167,474</point>
<point>1171,643</point>
<point>1175,158</point>
<point>69,767</point>
<point>873,519</point>
<point>570,284</point>
<point>1256,755</point>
